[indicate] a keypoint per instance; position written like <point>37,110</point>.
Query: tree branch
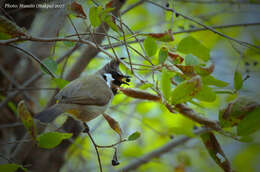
<point>205,26</point>
<point>160,151</point>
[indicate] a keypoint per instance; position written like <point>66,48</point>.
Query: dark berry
<point>115,163</point>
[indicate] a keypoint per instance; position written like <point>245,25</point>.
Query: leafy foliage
<point>51,139</point>
<point>12,167</point>
<point>134,136</point>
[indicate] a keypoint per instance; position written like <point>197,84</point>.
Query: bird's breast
<point>88,112</point>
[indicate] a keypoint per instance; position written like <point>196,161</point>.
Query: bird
<point>87,97</point>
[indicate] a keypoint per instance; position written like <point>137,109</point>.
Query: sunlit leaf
<point>186,90</point>
<point>51,139</point>
<point>134,136</point>
<point>215,151</point>
<point>191,60</point>
<point>250,123</point>
<point>109,20</point>
<point>206,94</point>
<point>210,80</point>
<point>113,124</point>
<point>150,46</point>
<point>94,17</point>
<point>195,47</point>
<point>27,119</point>
<point>166,84</point>
<point>163,54</point>
<point>238,80</point>
<point>60,83</point>
<point>11,167</point>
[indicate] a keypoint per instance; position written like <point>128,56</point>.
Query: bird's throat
<point>109,79</point>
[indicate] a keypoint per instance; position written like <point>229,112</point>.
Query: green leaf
<point>204,70</point>
<point>111,24</point>
<point>191,60</point>
<point>134,136</point>
<point>250,123</point>
<point>11,167</point>
<point>235,111</point>
<point>51,139</point>
<point>238,80</point>
<point>51,64</point>
<point>206,94</point>
<point>195,47</point>
<point>27,119</point>
<point>69,43</point>
<point>60,83</point>
<point>163,54</point>
<point>186,90</point>
<point>166,84</point>
<point>10,28</point>
<point>150,46</point>
<point>94,17</point>
<point>210,80</point>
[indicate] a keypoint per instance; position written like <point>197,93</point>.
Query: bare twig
<point>160,151</point>
<point>205,26</point>
<point>128,54</point>
<point>112,145</point>
<point>132,6</point>
<point>28,89</point>
<point>34,78</point>
<point>34,58</point>
<point>219,2</point>
<point>190,31</point>
<point>17,124</point>
<point>13,81</point>
<point>94,144</point>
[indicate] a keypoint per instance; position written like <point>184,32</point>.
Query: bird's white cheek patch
<point>109,78</point>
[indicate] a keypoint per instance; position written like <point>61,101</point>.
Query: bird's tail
<point>49,114</point>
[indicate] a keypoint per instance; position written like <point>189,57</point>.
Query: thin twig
<point>218,2</point>
<point>34,58</point>
<point>94,144</point>
<point>112,145</point>
<point>205,26</point>
<point>34,78</point>
<point>160,151</point>
<point>133,6</point>
<point>128,54</point>
<point>13,81</point>
<point>17,124</point>
<point>27,89</point>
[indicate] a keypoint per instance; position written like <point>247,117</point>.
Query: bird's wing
<point>91,90</point>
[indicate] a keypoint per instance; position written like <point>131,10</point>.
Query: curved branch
<point>205,26</point>
<point>160,151</point>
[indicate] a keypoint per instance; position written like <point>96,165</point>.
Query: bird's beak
<point>123,79</point>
